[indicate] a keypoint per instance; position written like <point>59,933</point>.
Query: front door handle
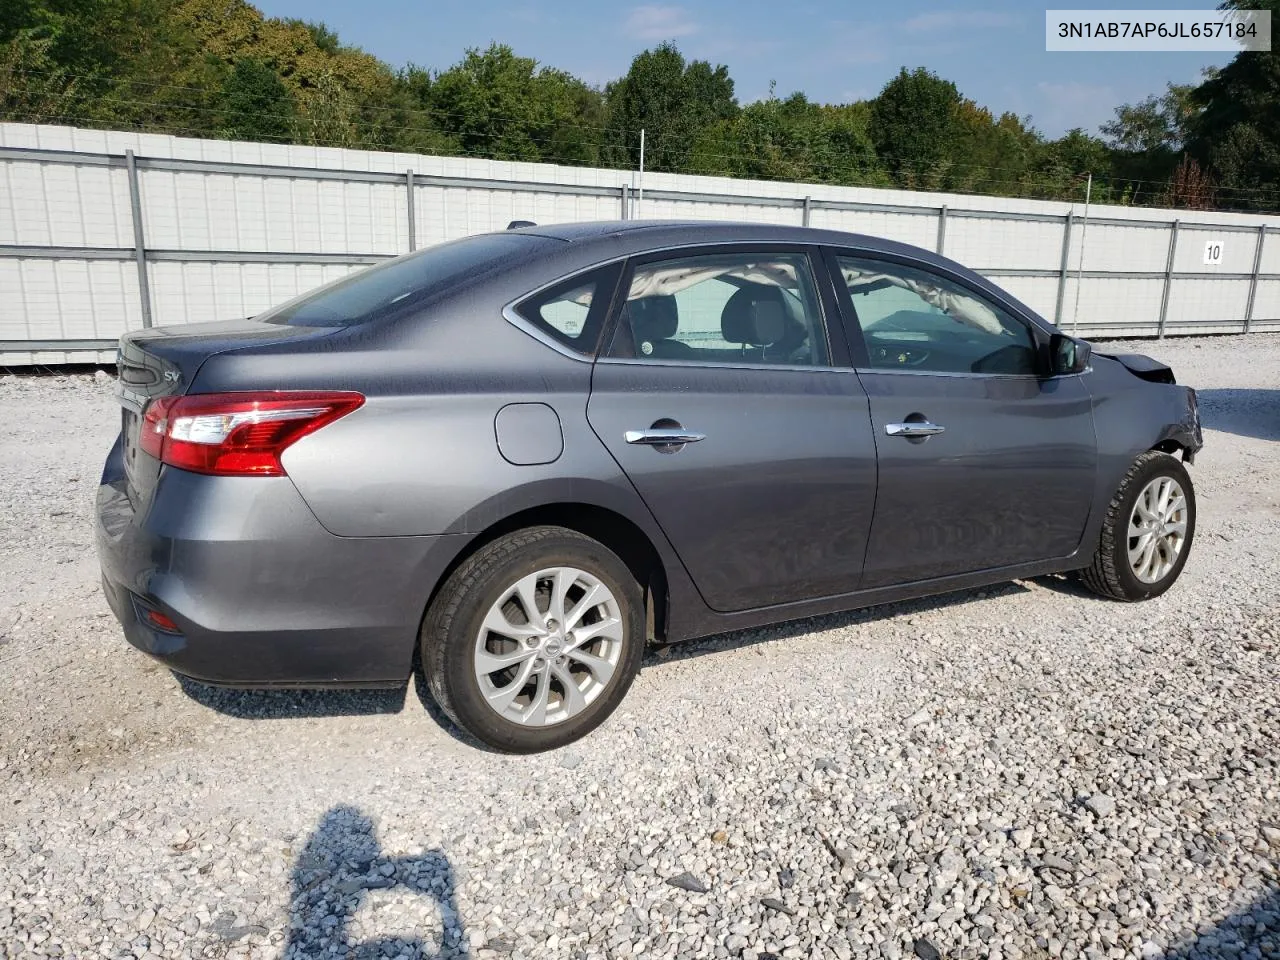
<point>919,428</point>
<point>662,436</point>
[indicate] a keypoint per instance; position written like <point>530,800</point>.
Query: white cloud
<point>941,20</point>
<point>659,23</point>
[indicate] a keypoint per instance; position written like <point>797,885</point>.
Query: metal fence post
<point>804,216</point>
<point>942,229</point>
<point>139,245</point>
<point>1063,269</point>
<point>413,214</point>
<point>1253,281</point>
<point>624,190</point>
<point>1168,276</point>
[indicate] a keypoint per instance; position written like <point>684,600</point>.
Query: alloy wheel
<point>549,646</point>
<point>1157,529</point>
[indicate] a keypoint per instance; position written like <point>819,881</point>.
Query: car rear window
<point>367,294</point>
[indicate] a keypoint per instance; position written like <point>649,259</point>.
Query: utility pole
<point>640,198</point>
<point>1075,311</point>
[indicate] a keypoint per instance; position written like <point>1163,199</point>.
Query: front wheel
<point>534,640</point>
<point>1147,532</point>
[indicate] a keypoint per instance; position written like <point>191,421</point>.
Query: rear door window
<point>738,308</point>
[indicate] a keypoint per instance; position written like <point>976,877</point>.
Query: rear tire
<point>1147,532</point>
<point>573,656</point>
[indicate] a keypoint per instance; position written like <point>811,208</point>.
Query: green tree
<point>33,88</point>
<point>915,126</point>
<point>254,104</point>
<point>324,38</point>
<point>791,139</point>
<point>674,102</point>
<point>344,96</point>
<point>82,60</point>
<point>496,104</point>
<point>1147,139</point>
<point>1060,168</point>
<point>989,154</point>
<point>1153,124</point>
<point>1236,131</point>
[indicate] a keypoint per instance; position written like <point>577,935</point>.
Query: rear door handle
<point>921,428</point>
<point>660,437</point>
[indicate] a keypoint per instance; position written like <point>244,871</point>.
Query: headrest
<point>653,318</point>
<point>756,316</point>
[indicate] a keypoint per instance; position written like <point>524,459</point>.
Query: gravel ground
<point>1024,771</point>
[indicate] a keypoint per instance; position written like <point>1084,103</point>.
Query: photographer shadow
<point>340,866</point>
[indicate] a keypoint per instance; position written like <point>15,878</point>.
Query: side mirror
<point>1067,355</point>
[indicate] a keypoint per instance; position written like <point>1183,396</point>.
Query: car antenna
<point>517,224</point>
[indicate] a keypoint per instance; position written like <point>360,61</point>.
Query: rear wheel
<point>1147,533</point>
<point>534,640</point>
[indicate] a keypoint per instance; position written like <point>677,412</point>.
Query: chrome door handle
<point>921,428</point>
<point>661,437</point>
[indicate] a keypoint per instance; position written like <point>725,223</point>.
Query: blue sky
<point>832,50</point>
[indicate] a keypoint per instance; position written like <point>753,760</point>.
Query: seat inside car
<point>755,317</point>
<point>654,320</point>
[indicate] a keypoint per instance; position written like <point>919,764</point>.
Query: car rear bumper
<point>261,594</point>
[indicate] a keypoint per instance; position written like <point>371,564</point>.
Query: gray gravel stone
<point>1101,804</point>
<point>687,881</point>
<point>145,818</point>
<point>776,905</point>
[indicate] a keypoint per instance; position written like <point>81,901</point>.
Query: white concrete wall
<point>55,204</point>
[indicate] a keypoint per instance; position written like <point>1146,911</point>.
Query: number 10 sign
<point>1213,252</point>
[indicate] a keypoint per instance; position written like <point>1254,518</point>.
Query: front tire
<point>1147,533</point>
<point>534,640</point>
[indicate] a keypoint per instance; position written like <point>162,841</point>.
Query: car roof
<point>660,233</point>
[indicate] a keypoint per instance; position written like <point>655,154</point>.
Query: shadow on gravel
<point>335,875</point>
<point>292,704</point>
<point>742,639</point>
<point>1067,584</point>
<point>1246,413</point>
<point>300,704</point>
<point>1253,932</point>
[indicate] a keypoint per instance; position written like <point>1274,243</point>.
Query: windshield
<point>365,294</point>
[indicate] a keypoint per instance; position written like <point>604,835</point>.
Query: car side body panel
<point>775,503</point>
<point>1010,481</point>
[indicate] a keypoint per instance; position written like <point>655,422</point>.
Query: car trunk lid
<point>163,361</point>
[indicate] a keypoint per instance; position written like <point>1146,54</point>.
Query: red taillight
<point>158,619</point>
<point>237,434</point>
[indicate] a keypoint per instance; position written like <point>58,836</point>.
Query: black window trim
<point>857,340</point>
<point>829,314</point>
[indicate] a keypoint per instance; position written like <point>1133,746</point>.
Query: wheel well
<point>615,531</point>
<point>1173,448</point>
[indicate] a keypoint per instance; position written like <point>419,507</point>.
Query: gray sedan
<point>525,454</point>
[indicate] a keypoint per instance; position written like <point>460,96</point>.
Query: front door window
<point>914,320</point>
